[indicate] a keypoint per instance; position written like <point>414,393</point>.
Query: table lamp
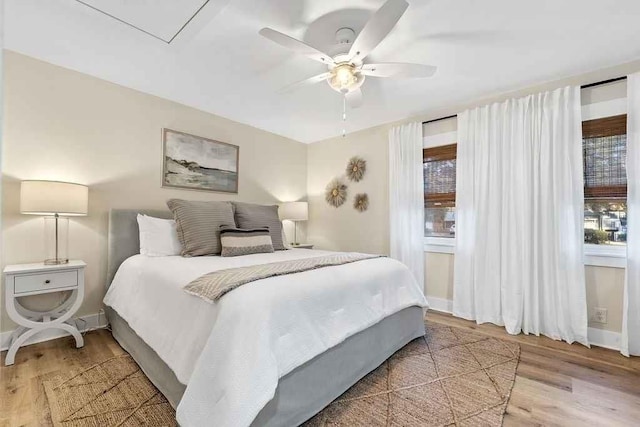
<point>53,199</point>
<point>294,211</point>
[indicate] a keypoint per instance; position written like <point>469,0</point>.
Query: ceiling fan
<point>346,70</point>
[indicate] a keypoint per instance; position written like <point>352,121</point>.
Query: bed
<point>169,333</point>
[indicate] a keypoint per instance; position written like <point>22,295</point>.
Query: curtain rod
<point>441,118</point>
<point>603,82</point>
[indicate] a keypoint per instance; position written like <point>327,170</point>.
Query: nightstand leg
<point>16,344</point>
<point>16,333</point>
<point>73,331</point>
<point>20,340</point>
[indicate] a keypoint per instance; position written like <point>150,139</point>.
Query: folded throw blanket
<point>212,286</point>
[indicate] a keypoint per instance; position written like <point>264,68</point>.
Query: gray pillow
<point>245,241</point>
<point>249,215</point>
<point>198,225</point>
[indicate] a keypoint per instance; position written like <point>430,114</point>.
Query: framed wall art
<point>198,163</point>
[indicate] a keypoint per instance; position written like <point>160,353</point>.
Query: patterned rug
<point>114,392</point>
<point>449,377</point>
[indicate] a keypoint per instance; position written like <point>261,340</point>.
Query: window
<point>439,191</point>
<point>604,146</point>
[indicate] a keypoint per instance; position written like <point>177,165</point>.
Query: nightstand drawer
<point>44,281</point>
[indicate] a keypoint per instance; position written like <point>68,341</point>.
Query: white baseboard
<point>606,339</point>
<point>93,321</point>
<point>440,304</point>
<point>597,337</point>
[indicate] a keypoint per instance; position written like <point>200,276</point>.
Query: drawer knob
<point>47,281</point>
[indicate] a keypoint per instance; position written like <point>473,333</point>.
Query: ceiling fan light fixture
<point>347,69</point>
<point>344,78</point>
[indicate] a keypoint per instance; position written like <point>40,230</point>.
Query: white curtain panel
<point>519,216</point>
<point>630,342</point>
<point>406,198</point>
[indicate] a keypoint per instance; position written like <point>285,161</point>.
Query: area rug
<point>114,392</point>
<point>451,376</point>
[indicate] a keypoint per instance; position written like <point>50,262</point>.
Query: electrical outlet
<point>600,315</point>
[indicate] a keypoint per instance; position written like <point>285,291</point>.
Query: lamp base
<point>56,240</point>
<point>56,261</point>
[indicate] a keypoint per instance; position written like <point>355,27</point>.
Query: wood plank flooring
<point>22,398</point>
<point>557,383</point>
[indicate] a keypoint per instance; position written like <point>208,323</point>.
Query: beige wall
<point>343,229</point>
<point>63,125</point>
<point>605,288</point>
<point>438,275</point>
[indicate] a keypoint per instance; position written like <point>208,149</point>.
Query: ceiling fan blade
<point>296,45</point>
<point>307,82</point>
<point>398,70</point>
<point>354,98</point>
<point>378,27</point>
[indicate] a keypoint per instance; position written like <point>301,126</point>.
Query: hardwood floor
<point>556,384</point>
<point>567,385</point>
<point>22,398</point>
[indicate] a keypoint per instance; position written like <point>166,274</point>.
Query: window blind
<point>604,145</point>
<point>440,176</point>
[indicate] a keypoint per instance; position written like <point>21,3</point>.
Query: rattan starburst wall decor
<point>336,193</point>
<point>356,168</point>
<point>361,202</point>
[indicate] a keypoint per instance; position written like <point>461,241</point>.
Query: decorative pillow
<point>198,224</point>
<point>249,215</point>
<point>158,237</point>
<point>245,241</point>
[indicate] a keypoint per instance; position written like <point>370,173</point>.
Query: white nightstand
<point>36,279</point>
<point>302,246</point>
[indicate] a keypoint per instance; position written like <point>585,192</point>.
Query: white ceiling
<point>219,63</point>
<point>161,19</point>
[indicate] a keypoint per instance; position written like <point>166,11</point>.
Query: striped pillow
<point>249,215</point>
<point>245,241</point>
<point>198,225</point>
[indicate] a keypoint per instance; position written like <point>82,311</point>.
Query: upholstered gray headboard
<point>124,238</point>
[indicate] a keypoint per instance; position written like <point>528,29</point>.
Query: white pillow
<point>284,240</point>
<point>158,237</point>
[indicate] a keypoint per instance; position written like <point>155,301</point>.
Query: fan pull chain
<point>344,116</point>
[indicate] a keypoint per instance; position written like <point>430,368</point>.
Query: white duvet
<point>231,354</point>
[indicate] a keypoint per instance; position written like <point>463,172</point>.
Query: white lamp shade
<point>294,211</point>
<point>53,197</point>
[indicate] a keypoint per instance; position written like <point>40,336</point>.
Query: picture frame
<point>197,163</point>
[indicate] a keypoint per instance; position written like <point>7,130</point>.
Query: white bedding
<point>232,353</point>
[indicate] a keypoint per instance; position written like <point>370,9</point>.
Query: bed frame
<point>301,393</point>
